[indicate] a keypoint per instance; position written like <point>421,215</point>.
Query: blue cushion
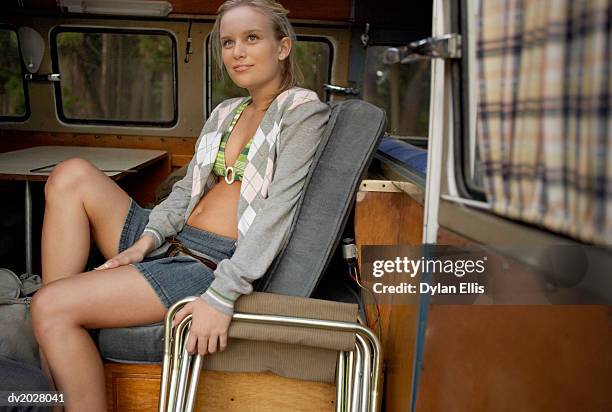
<point>414,158</point>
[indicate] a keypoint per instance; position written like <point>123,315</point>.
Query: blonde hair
<point>291,72</point>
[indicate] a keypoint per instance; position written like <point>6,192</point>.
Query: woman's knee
<point>68,176</point>
<point>49,309</point>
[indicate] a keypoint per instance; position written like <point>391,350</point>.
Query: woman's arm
<point>299,137</point>
<point>134,254</point>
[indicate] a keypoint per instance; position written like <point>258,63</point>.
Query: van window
<point>13,102</point>
<point>402,90</point>
<point>314,55</point>
<point>109,76</point>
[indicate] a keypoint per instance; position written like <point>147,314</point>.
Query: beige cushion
<point>293,352</point>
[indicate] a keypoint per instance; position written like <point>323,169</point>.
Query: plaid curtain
<point>543,113</point>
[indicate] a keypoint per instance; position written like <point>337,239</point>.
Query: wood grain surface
<point>135,387</point>
<point>386,218</point>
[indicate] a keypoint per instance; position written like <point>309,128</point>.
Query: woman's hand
<point>133,254</point>
<point>209,327</point>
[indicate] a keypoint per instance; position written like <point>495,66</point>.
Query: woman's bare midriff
<point>216,211</point>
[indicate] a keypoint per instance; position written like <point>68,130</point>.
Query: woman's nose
<point>239,50</point>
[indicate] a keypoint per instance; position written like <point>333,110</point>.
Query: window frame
<point>55,31</point>
<point>26,89</point>
<point>464,131</point>
<point>209,62</point>
<point>388,37</point>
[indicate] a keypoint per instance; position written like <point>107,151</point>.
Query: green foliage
<point>154,51</point>
<point>411,84</point>
<point>313,59</point>
<point>12,98</point>
<point>69,41</point>
<point>116,76</point>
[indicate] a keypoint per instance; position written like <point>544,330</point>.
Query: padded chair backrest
<point>347,147</point>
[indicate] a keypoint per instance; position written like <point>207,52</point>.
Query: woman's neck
<point>263,97</point>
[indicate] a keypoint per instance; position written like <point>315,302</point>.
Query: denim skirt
<point>176,277</point>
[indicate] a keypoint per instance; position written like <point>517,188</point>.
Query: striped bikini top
<point>235,172</point>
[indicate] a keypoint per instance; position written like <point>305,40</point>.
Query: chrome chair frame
<point>358,376</point>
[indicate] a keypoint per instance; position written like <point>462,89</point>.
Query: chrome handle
<point>447,46</point>
<point>347,91</point>
<point>52,77</point>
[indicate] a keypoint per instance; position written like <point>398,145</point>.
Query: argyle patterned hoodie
<point>277,165</point>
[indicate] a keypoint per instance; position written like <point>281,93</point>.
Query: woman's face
<point>251,53</point>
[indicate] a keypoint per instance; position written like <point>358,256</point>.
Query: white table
<point>37,163</point>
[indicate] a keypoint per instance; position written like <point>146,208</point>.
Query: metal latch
<point>447,46</point>
<point>347,91</point>
<point>52,77</point>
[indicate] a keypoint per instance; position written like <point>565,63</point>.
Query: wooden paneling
<point>180,160</point>
<point>511,358</point>
<point>517,358</point>
<point>399,357</point>
<point>389,218</point>
<point>136,388</point>
<point>383,218</point>
<point>129,392</point>
<point>195,6</point>
<point>377,216</point>
<point>142,185</point>
<point>410,222</point>
<point>251,391</point>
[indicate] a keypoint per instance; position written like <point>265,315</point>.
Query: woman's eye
<point>252,37</point>
<point>227,43</point>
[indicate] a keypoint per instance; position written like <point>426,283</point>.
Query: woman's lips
<point>242,68</point>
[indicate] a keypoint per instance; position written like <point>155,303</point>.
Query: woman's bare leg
<point>80,201</point>
<point>63,311</point>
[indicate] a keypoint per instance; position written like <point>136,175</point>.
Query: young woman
<point>229,216</point>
